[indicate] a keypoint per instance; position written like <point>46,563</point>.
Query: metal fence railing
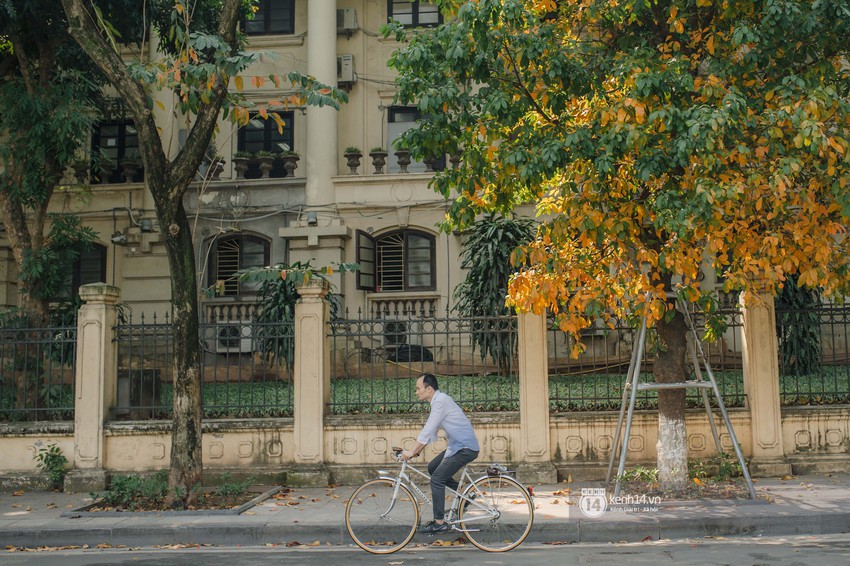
<point>814,355</point>
<point>37,372</point>
<point>377,356</point>
<point>245,367</point>
<point>594,381</point>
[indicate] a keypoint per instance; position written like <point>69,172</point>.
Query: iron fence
<point>814,355</point>
<point>594,381</point>
<point>37,371</point>
<point>245,368</point>
<point>377,356</point>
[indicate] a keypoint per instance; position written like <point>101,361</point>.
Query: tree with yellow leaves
<point>653,136</point>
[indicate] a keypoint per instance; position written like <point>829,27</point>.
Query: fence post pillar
<point>312,384</point>
<point>761,384</point>
<point>95,385</point>
<point>535,462</point>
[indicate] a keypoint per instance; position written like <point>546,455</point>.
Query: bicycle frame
<point>465,479</point>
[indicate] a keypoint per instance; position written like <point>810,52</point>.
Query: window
<point>89,267</point>
<point>231,253</point>
<point>273,17</point>
<point>414,13</point>
<point>113,141</point>
<point>263,135</point>
<point>403,260</point>
<point>399,120</point>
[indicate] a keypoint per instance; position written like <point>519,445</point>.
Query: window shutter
<point>366,260</point>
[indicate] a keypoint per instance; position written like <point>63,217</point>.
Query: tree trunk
<point>167,182</point>
<point>671,366</point>
<point>186,435</point>
<point>22,240</point>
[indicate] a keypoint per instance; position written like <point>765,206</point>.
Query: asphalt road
<point>826,550</point>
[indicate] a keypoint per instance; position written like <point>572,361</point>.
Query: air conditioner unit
<point>345,69</point>
<point>398,332</point>
<point>346,20</point>
<point>234,338</point>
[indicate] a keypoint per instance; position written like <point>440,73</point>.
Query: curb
<point>136,533</point>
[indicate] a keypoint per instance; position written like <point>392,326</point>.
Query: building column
<point>321,157</point>
<point>535,463</point>
<point>95,387</point>
<point>761,384</point>
<point>312,384</point>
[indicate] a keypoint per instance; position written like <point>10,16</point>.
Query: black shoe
<point>435,528</point>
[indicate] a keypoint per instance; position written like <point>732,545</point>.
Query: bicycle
<point>495,512</point>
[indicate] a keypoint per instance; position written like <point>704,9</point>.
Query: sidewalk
<point>816,504</point>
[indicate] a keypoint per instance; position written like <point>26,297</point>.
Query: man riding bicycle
<point>462,446</point>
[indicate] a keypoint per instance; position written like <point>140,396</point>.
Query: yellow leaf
<point>161,105</point>
<point>710,45</point>
<point>679,26</point>
<point>238,81</point>
<point>640,112</point>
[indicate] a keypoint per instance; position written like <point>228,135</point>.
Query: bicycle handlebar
<point>397,450</point>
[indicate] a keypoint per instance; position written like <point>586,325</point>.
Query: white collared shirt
<point>447,415</point>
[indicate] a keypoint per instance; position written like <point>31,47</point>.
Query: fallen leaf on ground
<point>565,491</point>
<point>293,543</point>
<point>555,501</point>
<point>17,493</point>
<point>315,500</point>
<point>646,539</point>
<point>103,545</point>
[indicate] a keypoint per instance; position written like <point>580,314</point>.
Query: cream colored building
<point>322,213</point>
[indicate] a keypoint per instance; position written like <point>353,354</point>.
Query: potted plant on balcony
<point>352,156</point>
<point>290,162</point>
<point>105,168</point>
<point>266,159</point>
<point>81,169</point>
<point>379,159</point>
<point>216,166</point>
<point>129,166</point>
<point>240,163</point>
<point>403,157</point>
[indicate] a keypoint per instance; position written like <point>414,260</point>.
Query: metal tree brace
<point>633,385</point>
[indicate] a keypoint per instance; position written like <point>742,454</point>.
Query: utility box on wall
<point>345,69</point>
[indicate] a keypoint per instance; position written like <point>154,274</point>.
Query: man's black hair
<point>430,380</point>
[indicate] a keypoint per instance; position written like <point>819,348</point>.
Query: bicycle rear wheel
<point>501,515</point>
<point>378,523</point>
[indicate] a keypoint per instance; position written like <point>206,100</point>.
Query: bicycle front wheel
<point>380,519</point>
<point>501,515</point>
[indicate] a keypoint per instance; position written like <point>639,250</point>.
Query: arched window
<point>231,253</point>
<point>403,260</point>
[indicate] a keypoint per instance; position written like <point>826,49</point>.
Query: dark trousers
<point>442,471</point>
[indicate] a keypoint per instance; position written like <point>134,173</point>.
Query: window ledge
<point>389,295</point>
<point>265,41</point>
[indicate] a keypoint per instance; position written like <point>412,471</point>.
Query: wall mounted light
<point>146,225</point>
